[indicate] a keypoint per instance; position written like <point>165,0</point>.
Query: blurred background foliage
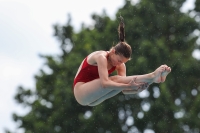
<point>159,33</point>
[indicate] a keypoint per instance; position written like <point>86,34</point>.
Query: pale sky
<point>26,31</point>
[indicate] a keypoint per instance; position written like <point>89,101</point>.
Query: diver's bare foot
<point>165,73</point>
<point>158,74</point>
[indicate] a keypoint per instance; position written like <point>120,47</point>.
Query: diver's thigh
<point>86,93</point>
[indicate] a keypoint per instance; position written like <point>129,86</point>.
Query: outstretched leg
<point>160,75</point>
<point>92,93</point>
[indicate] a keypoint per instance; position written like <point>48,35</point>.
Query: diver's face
<point>117,59</point>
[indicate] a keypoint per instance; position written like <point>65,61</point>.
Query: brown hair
<point>122,48</point>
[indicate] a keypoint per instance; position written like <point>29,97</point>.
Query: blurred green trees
<point>159,34</point>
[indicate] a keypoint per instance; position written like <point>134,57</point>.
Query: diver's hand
<point>136,87</point>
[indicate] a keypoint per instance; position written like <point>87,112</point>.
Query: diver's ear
<point>112,51</point>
